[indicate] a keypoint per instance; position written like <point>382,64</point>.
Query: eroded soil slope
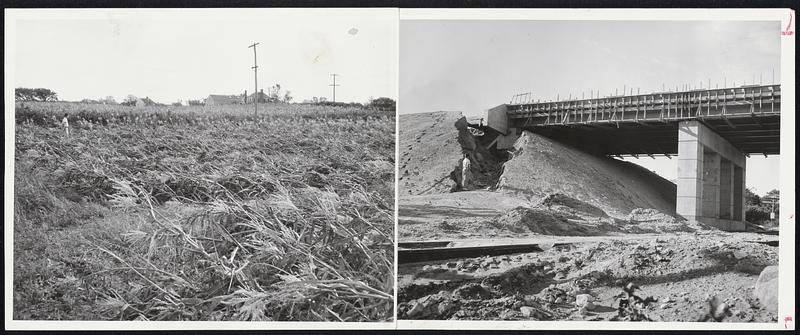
<point>541,166</point>
<point>429,151</point>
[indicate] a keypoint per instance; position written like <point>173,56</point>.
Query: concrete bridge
<point>710,131</point>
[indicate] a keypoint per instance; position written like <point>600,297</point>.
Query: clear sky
<point>471,66</point>
<point>187,54</point>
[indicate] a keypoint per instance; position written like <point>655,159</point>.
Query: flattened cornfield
<point>189,213</point>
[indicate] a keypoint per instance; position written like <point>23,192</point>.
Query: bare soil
<point>541,166</point>
<point>429,151</point>
<point>681,272</point>
<point>617,218</point>
<point>484,214</point>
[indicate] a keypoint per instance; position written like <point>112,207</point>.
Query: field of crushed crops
<point>190,213</point>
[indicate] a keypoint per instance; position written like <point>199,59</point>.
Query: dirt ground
<point>425,168</point>
<point>484,214</point>
<point>681,272</point>
<point>605,225</point>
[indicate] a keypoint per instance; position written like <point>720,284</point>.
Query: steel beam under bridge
<point>748,117</point>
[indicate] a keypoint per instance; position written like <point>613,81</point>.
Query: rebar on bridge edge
<point>683,101</point>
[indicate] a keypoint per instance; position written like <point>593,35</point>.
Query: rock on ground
<point>767,288</point>
<point>584,301</point>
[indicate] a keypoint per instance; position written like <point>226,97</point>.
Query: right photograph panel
<point>589,170</point>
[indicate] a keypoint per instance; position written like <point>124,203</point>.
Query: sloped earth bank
<point>677,274</point>
<point>432,146</point>
<point>555,189</point>
<point>542,166</point>
<point>429,151</point>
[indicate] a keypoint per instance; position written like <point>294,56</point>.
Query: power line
<point>255,74</point>
<point>334,85</point>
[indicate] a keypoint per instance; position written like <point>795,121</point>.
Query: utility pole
<point>255,74</point>
<point>334,85</point>
<point>770,201</point>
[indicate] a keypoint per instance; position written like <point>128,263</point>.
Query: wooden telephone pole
<point>255,74</point>
<point>334,86</point>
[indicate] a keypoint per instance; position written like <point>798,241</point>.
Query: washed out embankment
<point>557,189</point>
<point>432,146</point>
<point>429,150</point>
<point>542,166</point>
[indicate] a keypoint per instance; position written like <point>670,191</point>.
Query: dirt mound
<point>541,221</point>
<point>484,214</point>
<point>429,151</point>
<point>541,166</point>
<point>649,220</point>
<point>582,220</point>
<point>561,215</point>
<point>650,215</point>
<point>559,201</point>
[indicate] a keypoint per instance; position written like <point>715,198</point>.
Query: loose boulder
<point>584,301</point>
<point>767,288</point>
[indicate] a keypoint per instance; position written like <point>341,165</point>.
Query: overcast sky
<point>193,53</point>
<point>471,66</point>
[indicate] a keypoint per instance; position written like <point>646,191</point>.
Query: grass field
<point>196,213</point>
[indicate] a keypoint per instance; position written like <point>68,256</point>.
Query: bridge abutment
<point>710,178</point>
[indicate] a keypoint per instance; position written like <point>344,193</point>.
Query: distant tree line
<point>758,209</point>
<point>274,94</point>
<point>34,94</point>
<point>383,104</point>
<point>109,100</point>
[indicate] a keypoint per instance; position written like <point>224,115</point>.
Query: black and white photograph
<point>397,168</point>
<point>201,164</point>
<point>590,170</point>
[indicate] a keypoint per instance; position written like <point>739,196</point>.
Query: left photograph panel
<point>211,165</point>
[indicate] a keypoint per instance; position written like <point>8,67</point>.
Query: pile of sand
<point>545,222</point>
<point>541,166</point>
<point>562,202</point>
<point>648,220</point>
<point>429,151</point>
<point>560,215</point>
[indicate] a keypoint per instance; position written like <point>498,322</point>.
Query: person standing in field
<point>465,172</point>
<point>65,124</point>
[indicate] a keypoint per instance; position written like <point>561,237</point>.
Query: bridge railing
<point>757,100</point>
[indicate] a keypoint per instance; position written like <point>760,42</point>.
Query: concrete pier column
<point>725,189</point>
<point>710,178</point>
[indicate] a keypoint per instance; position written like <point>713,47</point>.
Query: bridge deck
<point>748,117</point>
